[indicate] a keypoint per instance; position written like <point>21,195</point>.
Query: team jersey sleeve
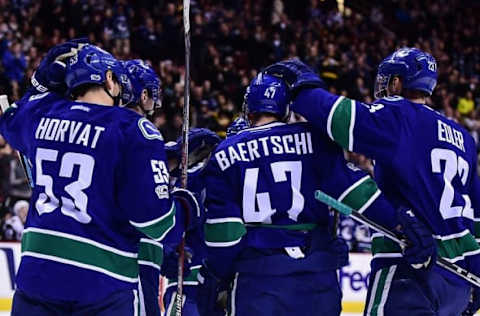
<point>224,226</point>
<point>18,118</point>
<point>143,181</point>
<point>370,129</point>
<point>355,188</point>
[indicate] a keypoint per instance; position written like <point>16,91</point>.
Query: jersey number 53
<point>74,206</point>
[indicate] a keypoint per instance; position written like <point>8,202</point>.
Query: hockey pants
<point>286,295</point>
<point>397,291</point>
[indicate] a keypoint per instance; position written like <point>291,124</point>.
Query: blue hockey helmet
<point>238,125</point>
<point>90,66</point>
<point>267,94</point>
<point>142,76</point>
<point>417,69</point>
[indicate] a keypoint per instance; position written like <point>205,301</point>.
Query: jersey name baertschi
<point>297,143</point>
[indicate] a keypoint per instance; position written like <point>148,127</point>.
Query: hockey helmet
<point>141,76</point>
<point>90,66</point>
<point>267,94</point>
<point>417,69</point>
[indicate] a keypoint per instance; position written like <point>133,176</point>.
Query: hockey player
<point>145,92</point>
<point>202,142</point>
<point>423,161</point>
<point>142,98</point>
<point>265,232</point>
<point>94,163</point>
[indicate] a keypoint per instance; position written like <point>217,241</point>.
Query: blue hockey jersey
<point>423,161</point>
<point>101,183</point>
<point>260,191</point>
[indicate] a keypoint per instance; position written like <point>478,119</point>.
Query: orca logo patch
<point>149,130</point>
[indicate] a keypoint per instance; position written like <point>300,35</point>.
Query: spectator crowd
<point>232,40</point>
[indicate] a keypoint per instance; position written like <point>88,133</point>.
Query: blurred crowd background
<point>231,41</point>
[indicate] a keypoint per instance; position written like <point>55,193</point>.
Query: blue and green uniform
<point>423,161</point>
<point>101,184</point>
<point>267,233</point>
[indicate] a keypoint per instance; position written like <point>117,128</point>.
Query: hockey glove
<point>295,74</point>
<point>202,142</point>
<point>50,74</point>
<point>169,267</point>
<point>210,289</point>
<point>189,205</point>
<point>421,252</point>
<point>474,304</point>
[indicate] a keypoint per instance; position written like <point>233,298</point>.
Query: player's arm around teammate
<point>423,161</point>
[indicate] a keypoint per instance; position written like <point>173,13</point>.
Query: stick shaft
<point>347,210</point>
<point>26,168</point>
<point>184,163</point>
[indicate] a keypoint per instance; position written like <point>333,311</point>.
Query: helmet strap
<point>116,99</point>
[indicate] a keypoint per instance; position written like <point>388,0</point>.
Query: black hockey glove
<point>295,74</point>
<point>170,262</point>
<point>421,252</point>
<point>211,290</point>
<point>50,74</point>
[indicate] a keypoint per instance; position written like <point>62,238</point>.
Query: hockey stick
<point>184,165</point>
<point>347,210</point>
<point>4,105</point>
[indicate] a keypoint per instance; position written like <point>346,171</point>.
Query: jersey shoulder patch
<point>149,131</point>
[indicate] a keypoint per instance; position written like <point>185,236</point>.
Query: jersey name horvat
<point>297,143</point>
<point>72,132</point>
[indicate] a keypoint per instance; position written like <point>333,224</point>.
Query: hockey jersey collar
<point>263,127</point>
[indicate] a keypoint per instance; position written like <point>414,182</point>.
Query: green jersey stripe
<point>224,232</point>
<point>457,248</point>
<point>150,252</point>
<point>384,245</point>
<point>158,228</point>
<point>330,116</point>
<point>453,249</point>
<point>476,229</point>
<point>75,251</point>
<point>363,193</point>
<point>342,123</point>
